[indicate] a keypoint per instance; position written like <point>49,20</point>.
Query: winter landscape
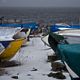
<point>36,60</point>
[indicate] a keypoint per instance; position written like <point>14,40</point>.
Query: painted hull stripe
<point>71,72</point>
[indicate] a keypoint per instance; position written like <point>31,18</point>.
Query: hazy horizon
<point>36,7</point>
<point>40,3</point>
<point>50,14</point>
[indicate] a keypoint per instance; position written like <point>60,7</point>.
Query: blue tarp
<point>30,25</point>
<point>10,25</point>
<point>23,25</point>
<point>55,28</point>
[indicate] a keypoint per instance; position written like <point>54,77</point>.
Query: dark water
<point>68,15</point>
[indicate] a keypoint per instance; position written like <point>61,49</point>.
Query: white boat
<point>71,35</point>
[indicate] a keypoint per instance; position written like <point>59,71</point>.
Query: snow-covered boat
<point>72,35</point>
<point>24,33</point>
<point>12,37</point>
<point>7,33</point>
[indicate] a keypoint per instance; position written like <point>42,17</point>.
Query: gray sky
<point>40,3</point>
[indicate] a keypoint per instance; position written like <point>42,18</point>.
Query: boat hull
<point>24,33</point>
<point>45,40</point>
<point>70,54</point>
<point>11,49</point>
<point>72,36</point>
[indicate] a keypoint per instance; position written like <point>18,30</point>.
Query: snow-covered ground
<point>34,66</point>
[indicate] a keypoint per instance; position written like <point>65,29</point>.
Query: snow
<point>33,56</point>
<point>9,32</point>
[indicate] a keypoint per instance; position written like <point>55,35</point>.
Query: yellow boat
<point>11,49</point>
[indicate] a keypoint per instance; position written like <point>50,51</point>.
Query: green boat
<point>68,53</point>
<point>55,39</point>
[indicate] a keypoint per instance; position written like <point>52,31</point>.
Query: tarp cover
<point>55,28</point>
<point>32,25</point>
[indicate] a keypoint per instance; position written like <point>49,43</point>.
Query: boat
<point>12,33</point>
<point>54,36</point>
<point>32,26</point>
<point>9,44</point>
<point>19,34</point>
<point>7,33</point>
<point>62,26</point>
<point>70,32</point>
<point>72,36</point>
<point>8,48</point>
<point>24,33</point>
<point>45,40</point>
<point>25,36</point>
<point>67,53</point>
<point>54,39</point>
<point>70,54</point>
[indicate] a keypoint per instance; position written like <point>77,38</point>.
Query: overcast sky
<point>40,3</point>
